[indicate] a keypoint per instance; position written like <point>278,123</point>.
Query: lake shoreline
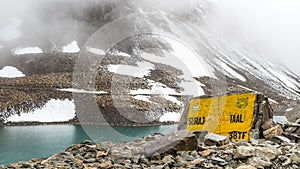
<point>36,123</point>
<point>22,143</point>
<point>179,149</point>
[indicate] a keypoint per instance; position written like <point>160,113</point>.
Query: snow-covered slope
<point>252,70</point>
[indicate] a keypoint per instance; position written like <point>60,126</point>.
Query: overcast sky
<point>269,26</point>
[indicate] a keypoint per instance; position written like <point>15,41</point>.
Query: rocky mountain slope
<point>145,76</point>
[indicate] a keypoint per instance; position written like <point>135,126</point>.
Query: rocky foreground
<point>181,149</point>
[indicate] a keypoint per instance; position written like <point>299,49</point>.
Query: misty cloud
<point>270,27</point>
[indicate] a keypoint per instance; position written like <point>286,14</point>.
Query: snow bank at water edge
<point>170,116</point>
<point>53,111</point>
<point>10,72</point>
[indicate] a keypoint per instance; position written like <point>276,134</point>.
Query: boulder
<point>205,153</point>
<point>296,157</point>
<point>268,152</point>
<point>212,139</point>
<point>243,152</point>
<point>169,159</point>
<point>272,132</point>
<point>281,139</point>
<point>196,162</point>
<point>200,134</point>
<point>246,167</point>
<point>182,140</point>
<point>259,162</point>
<point>106,164</point>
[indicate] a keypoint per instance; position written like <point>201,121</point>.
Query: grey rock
<point>189,158</point>
<point>86,142</point>
<point>296,157</point>
<point>243,143</point>
<point>91,146</point>
<point>281,139</point>
<point>89,155</point>
<point>200,134</point>
<point>178,159</point>
<point>178,141</point>
<point>243,152</point>
<point>156,156</point>
<point>219,161</point>
<point>246,167</point>
<point>135,166</point>
<point>121,155</point>
<point>107,164</point>
<point>194,153</point>
<point>169,159</point>
<point>196,162</point>
<point>212,139</point>
<point>144,160</point>
<point>127,161</point>
<point>272,132</point>
<point>156,162</point>
<point>26,165</point>
<point>157,167</point>
<point>268,152</point>
<point>285,160</point>
<point>259,162</point>
<point>135,159</point>
<point>90,160</point>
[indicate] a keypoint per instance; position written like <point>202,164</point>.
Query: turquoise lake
<point>19,143</point>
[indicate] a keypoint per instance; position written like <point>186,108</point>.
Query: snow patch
<point>142,69</point>
<point>71,48</point>
<point>53,111</point>
<point>95,51</point>
<point>188,62</point>
<point>231,71</point>
<point>194,63</point>
<point>156,88</point>
<point>272,100</point>
<point>123,54</point>
<point>28,50</point>
<point>287,81</point>
<point>142,97</point>
<point>170,116</point>
<point>290,109</point>
<point>81,91</point>
<point>246,88</point>
<point>173,99</point>
<point>10,72</point>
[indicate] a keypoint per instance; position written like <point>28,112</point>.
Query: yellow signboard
<point>230,115</point>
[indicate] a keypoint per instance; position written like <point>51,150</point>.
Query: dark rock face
<point>171,143</point>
